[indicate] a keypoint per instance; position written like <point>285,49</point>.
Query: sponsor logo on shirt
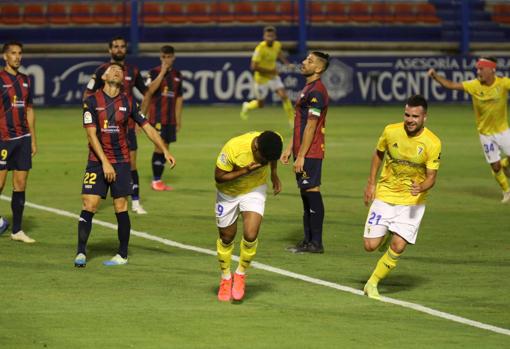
<point>128,78</point>
<point>122,108</point>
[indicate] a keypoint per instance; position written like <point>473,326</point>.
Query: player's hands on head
<point>109,172</point>
<point>431,72</point>
<point>369,194</point>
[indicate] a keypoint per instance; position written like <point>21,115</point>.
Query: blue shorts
<point>311,176</point>
<point>131,137</point>
<point>94,182</point>
<point>16,154</point>
<point>167,132</point>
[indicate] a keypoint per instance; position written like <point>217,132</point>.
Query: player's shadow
<point>102,249</point>
<point>399,283</point>
<point>252,289</point>
<point>452,261</point>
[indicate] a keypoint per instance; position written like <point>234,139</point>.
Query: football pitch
<point>166,296</point>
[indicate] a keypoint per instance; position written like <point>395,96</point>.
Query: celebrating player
<point>307,147</point>
<point>105,118</point>
<point>132,78</point>
<point>17,135</point>
<point>263,63</point>
<point>164,95</point>
<point>241,173</point>
<point>490,103</point>
<point>409,171</point>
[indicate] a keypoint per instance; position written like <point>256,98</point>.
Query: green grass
<point>166,297</point>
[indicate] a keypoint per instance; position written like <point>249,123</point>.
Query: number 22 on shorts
<point>374,216</point>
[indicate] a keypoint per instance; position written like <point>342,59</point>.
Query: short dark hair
<point>489,58</point>
<point>324,57</point>
<point>8,44</point>
<point>269,29</point>
<point>110,44</point>
<point>417,101</point>
<point>270,145</point>
<point>167,49</point>
<point>117,64</point>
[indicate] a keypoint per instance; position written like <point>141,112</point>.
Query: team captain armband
<point>315,112</point>
<point>92,82</point>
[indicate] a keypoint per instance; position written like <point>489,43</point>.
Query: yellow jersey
<point>489,104</point>
<point>237,153</point>
<point>406,161</point>
<point>266,56</point>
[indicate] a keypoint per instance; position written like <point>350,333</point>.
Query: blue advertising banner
<point>350,80</point>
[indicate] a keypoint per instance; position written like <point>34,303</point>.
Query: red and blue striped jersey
<point>162,107</point>
<point>132,78</point>
<point>312,103</point>
<point>16,98</point>
<point>110,118</point>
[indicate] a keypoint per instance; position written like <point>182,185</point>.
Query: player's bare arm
<point>444,81</point>
<point>275,180</point>
<point>287,152</point>
<point>178,113</point>
<point>308,134</point>
<point>428,183</point>
<point>377,160</point>
<point>221,176</point>
<point>266,72</point>
<point>158,142</point>
<point>31,127</point>
<point>109,172</point>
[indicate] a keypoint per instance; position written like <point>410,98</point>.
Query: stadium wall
<point>209,80</point>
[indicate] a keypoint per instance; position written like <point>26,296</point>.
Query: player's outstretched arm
<point>154,136</point>
<point>31,127</point>
<point>369,194</point>
<point>108,170</point>
<point>275,180</point>
<point>444,81</point>
<point>178,113</point>
<point>428,183</point>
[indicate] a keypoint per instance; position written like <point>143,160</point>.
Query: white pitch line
<point>261,266</point>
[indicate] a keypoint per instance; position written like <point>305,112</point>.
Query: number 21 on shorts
<point>374,218</point>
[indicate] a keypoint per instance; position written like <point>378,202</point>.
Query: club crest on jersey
<point>420,149</point>
<point>223,159</point>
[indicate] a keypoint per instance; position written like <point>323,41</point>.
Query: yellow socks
<point>224,256</point>
<point>248,251</point>
<point>289,110</point>
<point>501,179</point>
<point>504,162</point>
<point>385,264</point>
<point>253,104</point>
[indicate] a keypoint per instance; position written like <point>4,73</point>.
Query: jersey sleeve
<point>139,83</point>
<point>470,86</point>
<point>178,90</point>
<point>257,56</point>
<point>136,115</point>
<point>29,93</point>
<point>382,142</point>
<point>316,103</point>
<point>225,159</point>
<point>434,157</point>
<point>505,81</point>
<point>89,114</point>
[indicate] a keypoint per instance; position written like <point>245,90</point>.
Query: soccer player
<point>132,78</point>
<point>398,200</point>
<point>105,119</point>
<point>164,95</point>
<point>490,103</point>
<point>242,168</point>
<point>263,63</point>
<point>307,147</point>
<point>17,135</point>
